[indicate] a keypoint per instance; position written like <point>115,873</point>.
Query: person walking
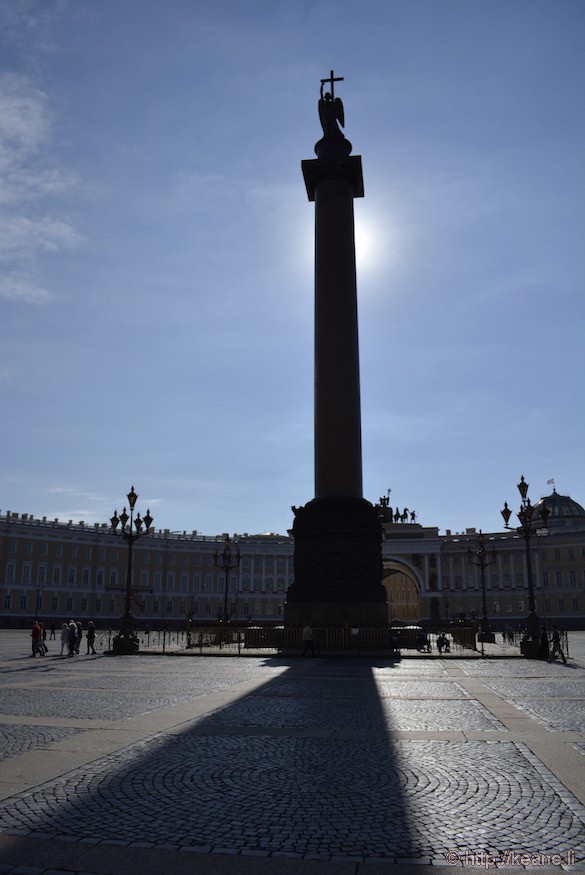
<point>556,646</point>
<point>53,628</point>
<point>72,639</point>
<point>64,637</point>
<point>308,642</point>
<point>90,637</point>
<point>544,651</point>
<point>36,640</point>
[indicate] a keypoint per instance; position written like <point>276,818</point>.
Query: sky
<point>156,249</point>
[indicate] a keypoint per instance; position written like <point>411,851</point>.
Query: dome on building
<point>564,513</point>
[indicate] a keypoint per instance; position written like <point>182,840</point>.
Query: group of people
<point>71,638</point>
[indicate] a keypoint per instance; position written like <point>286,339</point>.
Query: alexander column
<point>337,535</point>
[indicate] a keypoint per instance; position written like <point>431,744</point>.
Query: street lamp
<point>528,527</point>
<point>126,641</point>
<point>226,560</point>
<point>481,561</point>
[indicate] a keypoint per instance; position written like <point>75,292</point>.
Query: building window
<point>44,548</point>
<point>99,577</point>
<point>84,605</point>
<point>184,582</point>
<point>12,546</point>
<point>155,607</point>
<point>113,577</point>
<point>571,553</point>
<point>56,575</point>
<point>72,576</point>
<point>7,600</point>
<point>112,606</point>
<point>557,554</point>
<point>69,607</point>
<point>23,603</point>
<point>9,572</point>
<point>28,547</point>
<point>54,603</point>
<point>575,606</point>
<point>572,578</point>
<point>559,578</point>
<point>547,606</point>
<point>98,605</point>
<point>545,578</point>
<point>87,552</point>
<point>58,550</point>
<point>114,555</point>
<point>144,579</point>
<point>85,577</point>
<point>170,580</point>
<point>169,607</point>
<point>73,553</point>
<point>157,580</point>
<point>561,604</point>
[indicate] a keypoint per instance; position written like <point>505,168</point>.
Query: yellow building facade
<point>58,570</point>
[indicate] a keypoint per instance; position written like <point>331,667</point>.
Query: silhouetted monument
<point>337,535</point>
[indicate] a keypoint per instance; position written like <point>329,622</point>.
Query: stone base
<point>338,566</point>
<point>124,645</point>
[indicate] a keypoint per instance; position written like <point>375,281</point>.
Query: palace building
<point>58,570</point>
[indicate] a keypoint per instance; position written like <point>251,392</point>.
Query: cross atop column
<point>331,79</point>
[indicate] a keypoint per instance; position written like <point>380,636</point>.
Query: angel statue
<point>333,145</point>
<point>330,113</point>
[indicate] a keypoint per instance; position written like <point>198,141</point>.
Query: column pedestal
<point>337,565</point>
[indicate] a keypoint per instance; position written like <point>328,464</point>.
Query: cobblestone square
<point>324,760</point>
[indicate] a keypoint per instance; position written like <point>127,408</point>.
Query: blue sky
<point>156,241</point>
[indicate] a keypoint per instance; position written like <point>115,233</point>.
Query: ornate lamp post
<point>126,641</point>
<point>529,525</point>
<point>226,560</point>
<point>481,561</point>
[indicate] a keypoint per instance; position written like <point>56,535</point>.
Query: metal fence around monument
<point>217,640</point>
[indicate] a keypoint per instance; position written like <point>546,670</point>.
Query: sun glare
<point>368,245</point>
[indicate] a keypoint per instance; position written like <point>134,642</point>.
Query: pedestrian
<point>36,639</point>
<point>308,643</point>
<point>90,637</point>
<point>53,628</point>
<point>72,639</point>
<point>556,646</point>
<point>43,642</point>
<point>64,637</point>
<point>79,635</point>
<point>544,651</point>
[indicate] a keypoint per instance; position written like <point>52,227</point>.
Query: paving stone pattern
<point>15,740</point>
<point>310,796</point>
<point>316,762</point>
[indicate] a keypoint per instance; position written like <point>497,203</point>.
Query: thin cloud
<point>29,230</point>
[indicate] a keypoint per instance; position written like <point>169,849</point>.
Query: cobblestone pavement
<point>111,765</point>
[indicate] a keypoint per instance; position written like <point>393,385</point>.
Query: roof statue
<point>333,146</point>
